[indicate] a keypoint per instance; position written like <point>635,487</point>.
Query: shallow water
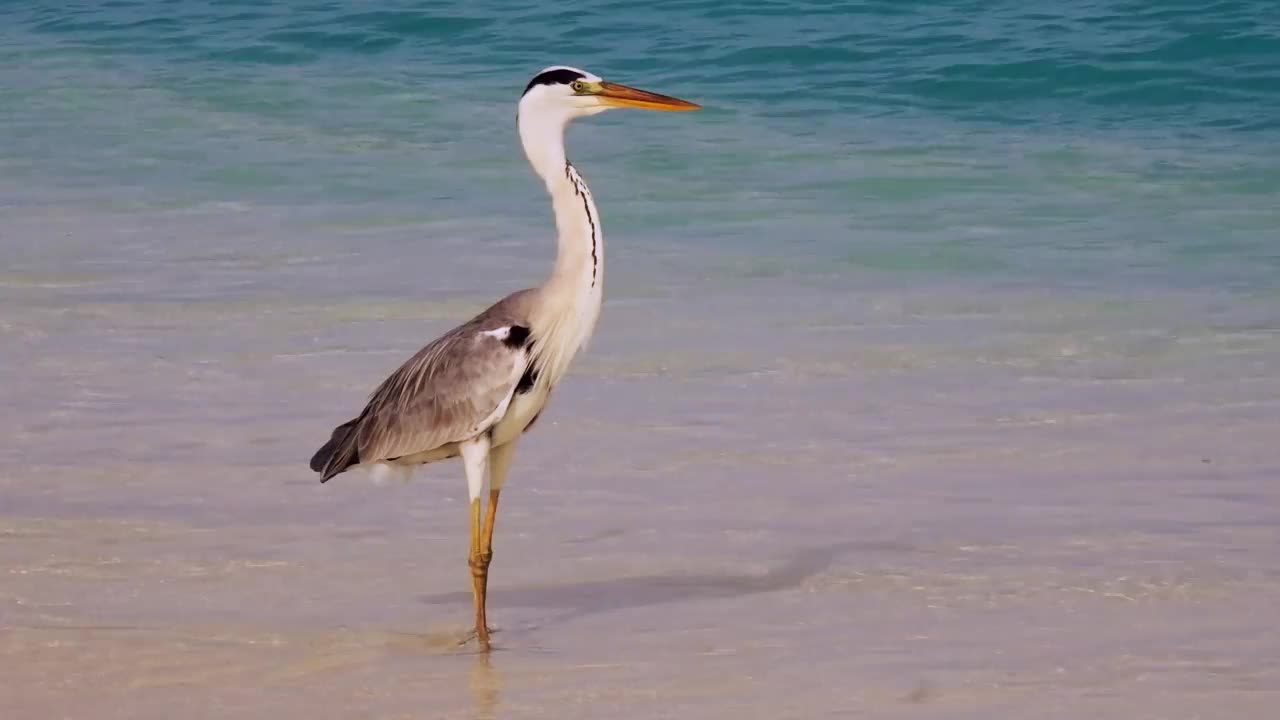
<point>949,390</point>
<point>920,503</point>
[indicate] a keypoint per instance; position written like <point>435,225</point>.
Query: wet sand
<point>801,499</point>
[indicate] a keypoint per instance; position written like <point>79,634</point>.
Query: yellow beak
<point>623,96</point>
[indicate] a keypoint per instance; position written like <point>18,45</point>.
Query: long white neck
<point>574,291</point>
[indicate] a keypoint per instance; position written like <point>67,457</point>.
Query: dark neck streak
<point>580,189</point>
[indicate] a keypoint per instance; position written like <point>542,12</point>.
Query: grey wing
<point>452,390</point>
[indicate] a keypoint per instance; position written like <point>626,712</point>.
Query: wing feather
<point>452,390</point>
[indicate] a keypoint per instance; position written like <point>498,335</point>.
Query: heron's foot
<point>473,635</point>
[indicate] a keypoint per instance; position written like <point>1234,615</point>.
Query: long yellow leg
<point>486,539</point>
<point>479,562</point>
<point>497,461</point>
<point>481,556</point>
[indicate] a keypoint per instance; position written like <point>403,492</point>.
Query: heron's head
<point>560,94</point>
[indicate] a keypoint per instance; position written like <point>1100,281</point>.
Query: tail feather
<point>339,453</point>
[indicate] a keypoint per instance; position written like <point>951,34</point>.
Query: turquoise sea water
<point>1121,143</point>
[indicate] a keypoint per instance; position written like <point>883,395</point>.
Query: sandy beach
<point>921,502</point>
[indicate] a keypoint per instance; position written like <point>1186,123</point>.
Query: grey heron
<point>476,389</point>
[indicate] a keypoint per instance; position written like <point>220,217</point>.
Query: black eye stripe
<point>559,76</point>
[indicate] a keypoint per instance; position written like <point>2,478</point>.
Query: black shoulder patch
<point>559,76</point>
<point>517,337</point>
<point>527,380</point>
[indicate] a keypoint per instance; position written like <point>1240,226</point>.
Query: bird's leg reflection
<point>485,684</point>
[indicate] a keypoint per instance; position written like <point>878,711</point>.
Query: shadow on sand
<point>596,596</point>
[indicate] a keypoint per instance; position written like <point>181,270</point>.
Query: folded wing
<point>452,390</point>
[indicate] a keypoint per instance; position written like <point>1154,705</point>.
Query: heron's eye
<point>578,86</point>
